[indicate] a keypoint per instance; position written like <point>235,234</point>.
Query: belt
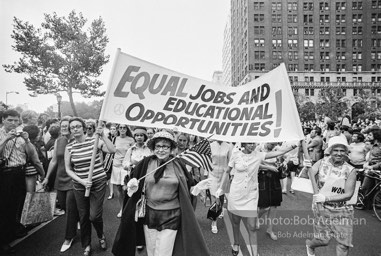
<point>13,168</point>
<point>335,204</point>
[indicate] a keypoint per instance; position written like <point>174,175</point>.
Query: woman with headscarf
<point>333,217</point>
<point>170,226</point>
<point>78,156</point>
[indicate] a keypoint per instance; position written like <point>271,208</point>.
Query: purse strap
<point>14,144</point>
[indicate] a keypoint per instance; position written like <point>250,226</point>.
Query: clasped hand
<point>202,185</point>
<point>132,186</point>
<point>318,198</point>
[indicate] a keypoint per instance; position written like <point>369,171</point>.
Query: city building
<point>323,43</point>
<point>226,55</point>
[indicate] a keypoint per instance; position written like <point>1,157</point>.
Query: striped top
<point>81,153</point>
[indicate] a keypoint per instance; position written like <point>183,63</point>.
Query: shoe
<point>102,243</point>
<point>221,215</point>
<point>310,251</point>
<point>58,212</point>
<point>119,214</point>
<point>234,252</point>
<point>272,235</point>
<point>140,248</point>
<point>292,191</point>
<point>87,251</point>
<point>111,196</point>
<point>214,229</point>
<point>65,246</point>
<point>284,192</point>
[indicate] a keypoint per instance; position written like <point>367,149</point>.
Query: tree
<point>330,104</point>
<point>61,55</point>
<point>85,110</point>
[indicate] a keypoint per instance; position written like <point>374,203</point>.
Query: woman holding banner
<point>333,217</point>
<point>243,195</point>
<point>170,226</point>
<point>78,156</point>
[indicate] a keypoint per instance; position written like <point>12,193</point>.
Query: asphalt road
<point>292,226</point>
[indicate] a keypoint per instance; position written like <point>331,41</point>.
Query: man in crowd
<point>315,145</point>
<point>14,148</point>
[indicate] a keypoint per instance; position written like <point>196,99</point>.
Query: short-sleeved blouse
<point>243,196</point>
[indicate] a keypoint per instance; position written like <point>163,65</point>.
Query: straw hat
<point>337,140</point>
<point>161,135</point>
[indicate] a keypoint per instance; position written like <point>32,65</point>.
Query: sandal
<point>102,243</point>
<point>234,252</point>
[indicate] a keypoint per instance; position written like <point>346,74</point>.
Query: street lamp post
<point>6,96</point>
<point>59,99</point>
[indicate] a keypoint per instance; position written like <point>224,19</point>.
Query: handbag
<point>214,211</point>
<point>302,184</point>
<point>282,171</point>
<point>140,211</point>
<point>38,207</point>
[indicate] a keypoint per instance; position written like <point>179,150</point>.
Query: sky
<point>182,35</point>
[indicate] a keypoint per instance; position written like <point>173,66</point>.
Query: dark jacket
<point>189,239</point>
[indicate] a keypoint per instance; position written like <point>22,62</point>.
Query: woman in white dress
<point>122,143</point>
<point>243,195</point>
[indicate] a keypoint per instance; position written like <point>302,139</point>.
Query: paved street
<point>293,228</point>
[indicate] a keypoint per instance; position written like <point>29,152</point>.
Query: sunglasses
<point>123,127</point>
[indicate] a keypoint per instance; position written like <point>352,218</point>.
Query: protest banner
<point>144,94</point>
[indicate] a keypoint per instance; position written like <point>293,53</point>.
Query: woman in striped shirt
<point>77,160</point>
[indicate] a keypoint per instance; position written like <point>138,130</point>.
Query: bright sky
<point>182,35</point>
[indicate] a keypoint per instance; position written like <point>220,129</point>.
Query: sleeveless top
<point>334,175</point>
<point>81,153</point>
<point>63,181</point>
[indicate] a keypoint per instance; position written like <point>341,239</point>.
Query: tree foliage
<point>330,103</point>
<point>90,110</point>
<point>61,55</point>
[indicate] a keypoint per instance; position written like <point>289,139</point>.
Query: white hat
<point>337,140</point>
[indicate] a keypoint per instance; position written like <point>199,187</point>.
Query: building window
<point>292,67</point>
<point>357,67</point>
<point>340,67</point>
<point>259,17</point>
<point>292,6</point>
<point>308,78</point>
<point>324,55</point>
<point>292,55</point>
<point>307,18</point>
<point>308,6</point>
<point>259,5</point>
<point>357,79</point>
<point>324,43</point>
<point>259,66</point>
<point>276,30</point>
<point>324,30</point>
<point>376,4</point>
<point>276,6</point>
<point>357,43</point>
<point>344,92</point>
<point>259,42</point>
<point>292,31</point>
<point>324,79</point>
<point>308,30</point>
<point>324,67</point>
<point>276,18</point>
<point>341,43</point>
<point>341,79</point>
<point>340,18</point>
<point>355,92</point>
<point>357,17</point>
<point>323,6</point>
<point>292,43</point>
<point>308,55</point>
<point>307,92</point>
<point>340,30</point>
<point>308,67</point>
<point>340,55</point>
<point>259,55</point>
<point>259,30</point>
<point>292,18</point>
<point>308,43</point>
<point>357,31</point>
<point>357,5</point>
<point>341,6</point>
<point>324,18</point>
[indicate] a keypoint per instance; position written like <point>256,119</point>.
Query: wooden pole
<point>92,162</point>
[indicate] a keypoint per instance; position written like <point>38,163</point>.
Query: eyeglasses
<point>162,147</point>
<point>89,128</point>
<point>78,126</point>
<point>123,127</point>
